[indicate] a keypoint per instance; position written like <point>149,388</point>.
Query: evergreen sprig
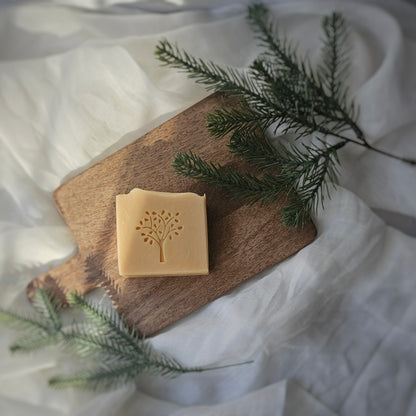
<point>39,331</point>
<point>115,354</point>
<point>279,92</point>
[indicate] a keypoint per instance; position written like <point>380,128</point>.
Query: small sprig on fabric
<point>280,92</point>
<point>114,353</point>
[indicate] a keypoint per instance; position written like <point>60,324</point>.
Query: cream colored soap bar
<point>161,234</point>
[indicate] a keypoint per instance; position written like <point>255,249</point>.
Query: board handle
<point>70,276</point>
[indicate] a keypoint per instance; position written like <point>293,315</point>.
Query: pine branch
<point>312,183</point>
<point>227,80</point>
<point>114,375</point>
<point>241,119</point>
<point>107,322</point>
<point>289,160</point>
<point>49,307</point>
<point>334,70</point>
<point>288,67</point>
<point>113,340</point>
<point>21,322</point>
<point>100,378</point>
<point>87,342</point>
<point>111,336</point>
<point>254,147</point>
<point>32,342</point>
<point>279,91</point>
<point>335,67</point>
<point>299,109</point>
<point>119,355</point>
<point>40,331</point>
<point>289,95</point>
<point>215,77</point>
<point>303,178</point>
<point>267,34</point>
<point>305,106</point>
<point>267,189</point>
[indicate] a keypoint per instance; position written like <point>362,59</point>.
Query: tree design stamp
<point>159,226</point>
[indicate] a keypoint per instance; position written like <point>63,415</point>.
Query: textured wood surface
<point>243,241</point>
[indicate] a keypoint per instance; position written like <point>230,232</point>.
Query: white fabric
<point>332,329</point>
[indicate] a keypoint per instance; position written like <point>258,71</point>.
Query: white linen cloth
<point>332,329</point>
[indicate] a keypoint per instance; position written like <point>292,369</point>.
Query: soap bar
<point>161,234</point>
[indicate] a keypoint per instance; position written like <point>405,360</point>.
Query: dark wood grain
<point>243,241</point>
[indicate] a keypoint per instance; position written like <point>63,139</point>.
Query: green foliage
<point>115,354</point>
<point>279,91</point>
<point>49,308</point>
<point>102,377</point>
<point>41,331</point>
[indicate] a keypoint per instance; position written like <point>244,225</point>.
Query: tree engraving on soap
<point>158,227</point>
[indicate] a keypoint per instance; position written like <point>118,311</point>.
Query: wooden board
<point>243,241</point>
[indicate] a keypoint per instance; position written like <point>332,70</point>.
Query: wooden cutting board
<point>243,241</point>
